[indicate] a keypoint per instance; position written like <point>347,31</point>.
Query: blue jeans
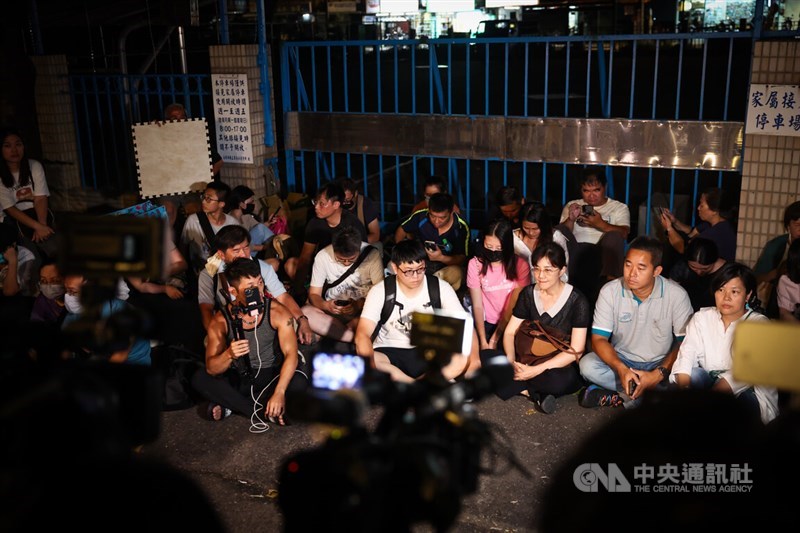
<point>701,379</point>
<point>595,371</point>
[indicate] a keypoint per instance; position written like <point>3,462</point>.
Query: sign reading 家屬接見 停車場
<point>773,110</point>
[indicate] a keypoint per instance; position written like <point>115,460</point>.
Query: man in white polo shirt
<point>599,226</point>
<point>639,323</point>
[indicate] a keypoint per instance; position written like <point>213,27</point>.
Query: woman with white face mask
<point>138,352</point>
<point>49,305</point>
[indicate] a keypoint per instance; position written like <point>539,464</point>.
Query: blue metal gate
<point>669,77</point>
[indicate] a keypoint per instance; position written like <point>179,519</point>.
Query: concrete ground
<point>239,470</point>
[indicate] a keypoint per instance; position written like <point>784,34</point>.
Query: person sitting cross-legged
<point>706,357</point>
<point>410,290</point>
<point>639,322</point>
<point>557,307</point>
<point>343,274</point>
<point>252,374</point>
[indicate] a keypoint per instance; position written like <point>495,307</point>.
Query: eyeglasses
<point>546,271</point>
<point>207,198</point>
<point>413,272</point>
<point>345,261</point>
<point>321,203</point>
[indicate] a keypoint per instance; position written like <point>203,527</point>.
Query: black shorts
<point>408,360</point>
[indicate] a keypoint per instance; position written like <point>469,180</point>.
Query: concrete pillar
<point>243,59</point>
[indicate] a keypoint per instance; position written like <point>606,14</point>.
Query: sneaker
<point>547,405</point>
<point>594,396</point>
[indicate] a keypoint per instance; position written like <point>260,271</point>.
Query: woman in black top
<point>558,305</point>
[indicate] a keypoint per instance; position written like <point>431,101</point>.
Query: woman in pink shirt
<point>495,278</point>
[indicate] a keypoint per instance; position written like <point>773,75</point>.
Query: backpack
<point>390,295</point>
<point>177,367</point>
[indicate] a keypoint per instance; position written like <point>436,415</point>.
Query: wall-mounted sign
<point>341,6</point>
<point>232,117</point>
<point>773,110</point>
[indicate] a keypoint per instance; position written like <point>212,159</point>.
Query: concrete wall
<point>243,59</point>
<point>57,128</point>
<point>771,170</point>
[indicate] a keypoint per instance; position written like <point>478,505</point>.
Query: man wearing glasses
<point>335,300</point>
<point>319,231</point>
<point>392,351</point>
<point>193,239</point>
<point>445,236</point>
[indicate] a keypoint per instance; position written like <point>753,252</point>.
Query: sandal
<point>209,414</point>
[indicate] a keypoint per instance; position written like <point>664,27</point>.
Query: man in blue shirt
<point>445,236</point>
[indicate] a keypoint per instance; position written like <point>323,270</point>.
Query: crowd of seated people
<point>573,306</point>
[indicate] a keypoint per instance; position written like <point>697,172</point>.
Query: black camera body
<point>587,210</point>
<point>418,462</point>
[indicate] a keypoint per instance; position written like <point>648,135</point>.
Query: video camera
<point>415,466</point>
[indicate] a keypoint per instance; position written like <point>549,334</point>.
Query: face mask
<point>493,256</point>
<point>248,209</point>
<point>73,304</point>
<point>52,291</point>
<point>348,205</point>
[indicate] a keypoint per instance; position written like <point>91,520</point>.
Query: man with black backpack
<point>386,317</point>
<point>199,230</point>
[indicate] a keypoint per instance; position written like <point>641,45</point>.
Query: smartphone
<point>336,371</point>
<point>275,213</point>
<point>430,245</point>
<point>342,303</point>
<point>587,210</point>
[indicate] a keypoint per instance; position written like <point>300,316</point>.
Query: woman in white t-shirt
<point>24,193</point>
<point>495,277</point>
<point>536,229</point>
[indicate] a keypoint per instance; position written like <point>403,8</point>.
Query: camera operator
<point>256,370</point>
<point>392,351</point>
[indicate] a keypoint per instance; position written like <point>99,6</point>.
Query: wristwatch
<point>664,373</point>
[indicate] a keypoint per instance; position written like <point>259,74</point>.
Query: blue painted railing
<point>106,106</point>
<point>670,76</point>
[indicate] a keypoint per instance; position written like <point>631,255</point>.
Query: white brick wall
<point>771,167</point>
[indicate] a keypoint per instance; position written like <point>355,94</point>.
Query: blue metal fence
<point>106,106</point>
<point>675,77</point>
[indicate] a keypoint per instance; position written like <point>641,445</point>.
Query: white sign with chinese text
<point>773,110</point>
<point>232,117</point>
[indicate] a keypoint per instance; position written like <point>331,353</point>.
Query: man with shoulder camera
<point>234,242</point>
<point>445,236</point>
<point>343,274</point>
<point>251,354</point>
<point>413,291</point>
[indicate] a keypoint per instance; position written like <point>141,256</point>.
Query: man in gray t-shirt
<point>639,323</point>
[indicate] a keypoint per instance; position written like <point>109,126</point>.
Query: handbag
<point>535,343</point>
